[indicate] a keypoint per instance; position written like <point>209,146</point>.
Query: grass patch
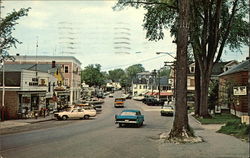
<point>236,128</point>
<point>218,119</point>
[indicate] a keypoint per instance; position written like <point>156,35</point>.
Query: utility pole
<point>3,57</point>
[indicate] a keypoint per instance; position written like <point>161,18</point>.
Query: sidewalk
<point>23,122</point>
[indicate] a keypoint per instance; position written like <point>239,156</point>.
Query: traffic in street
<point>96,137</point>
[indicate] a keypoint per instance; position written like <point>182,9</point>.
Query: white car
<point>76,113</point>
<point>139,97</point>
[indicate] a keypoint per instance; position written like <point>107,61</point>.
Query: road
<point>94,138</point>
<point>101,138</point>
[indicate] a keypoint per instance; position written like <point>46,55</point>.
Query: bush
<point>236,128</point>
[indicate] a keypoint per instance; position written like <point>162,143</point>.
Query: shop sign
<point>34,82</point>
<point>43,82</point>
<point>240,90</point>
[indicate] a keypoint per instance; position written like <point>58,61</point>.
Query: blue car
<point>129,117</point>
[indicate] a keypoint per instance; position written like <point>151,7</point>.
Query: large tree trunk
<point>197,89</point>
<point>204,85</point>
<point>180,127</point>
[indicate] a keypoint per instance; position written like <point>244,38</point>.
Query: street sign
<point>240,90</point>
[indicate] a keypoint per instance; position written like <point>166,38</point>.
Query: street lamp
<point>173,64</point>
<point>168,53</point>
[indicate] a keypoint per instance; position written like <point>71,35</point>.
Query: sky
<point>92,32</point>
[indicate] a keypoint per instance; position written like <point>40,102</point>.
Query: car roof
<point>131,110</point>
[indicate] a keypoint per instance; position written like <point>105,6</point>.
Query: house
<point>218,68</point>
<point>71,69</point>
<point>233,89</point>
<point>29,86</point>
<point>142,83</point>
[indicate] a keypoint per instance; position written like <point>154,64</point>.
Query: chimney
<point>53,64</point>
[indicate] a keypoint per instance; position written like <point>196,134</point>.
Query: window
<point>66,82</point>
<point>66,69</point>
<point>192,82</point>
<point>192,69</point>
<point>140,87</point>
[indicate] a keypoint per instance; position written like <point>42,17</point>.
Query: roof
<point>130,110</point>
<point>35,67</point>
<point>243,66</point>
<point>163,80</point>
<point>140,81</point>
<point>46,58</point>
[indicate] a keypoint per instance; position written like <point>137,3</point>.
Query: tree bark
<point>204,85</point>
<point>180,127</point>
<point>197,89</point>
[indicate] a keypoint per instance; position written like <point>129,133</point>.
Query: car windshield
<point>168,107</point>
<point>128,113</point>
<point>119,99</point>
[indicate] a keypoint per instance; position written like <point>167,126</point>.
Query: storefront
<point>32,100</point>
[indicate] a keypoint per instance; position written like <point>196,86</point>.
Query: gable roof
<point>243,66</point>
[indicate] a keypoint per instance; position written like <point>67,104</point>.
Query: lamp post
<point>173,64</point>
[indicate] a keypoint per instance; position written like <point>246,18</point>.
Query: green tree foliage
<point>92,75</point>
<point>213,26</point>
<point>7,26</point>
<point>131,72</point>
<point>116,75</point>
<point>164,72</point>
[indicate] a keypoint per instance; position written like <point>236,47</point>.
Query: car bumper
<point>167,113</point>
<point>127,122</point>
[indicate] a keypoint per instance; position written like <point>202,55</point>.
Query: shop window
<point>66,82</point>
<point>66,69</point>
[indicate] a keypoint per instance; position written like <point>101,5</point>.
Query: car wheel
<point>59,118</point>
<point>86,117</point>
<point>64,117</point>
<point>120,124</point>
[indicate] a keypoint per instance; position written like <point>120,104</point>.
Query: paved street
<point>101,138</point>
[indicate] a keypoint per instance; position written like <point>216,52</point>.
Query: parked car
<point>167,110</point>
<point>127,96</point>
<point>111,95</point>
<point>76,113</point>
<point>119,102</point>
<point>139,97</point>
<point>129,117</point>
<point>149,100</point>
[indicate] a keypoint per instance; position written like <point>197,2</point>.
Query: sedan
<point>129,117</point>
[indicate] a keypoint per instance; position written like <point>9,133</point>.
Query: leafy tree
<point>116,75</point>
<point>7,26</point>
<point>165,72</point>
<point>92,75</point>
<point>214,25</point>
<point>131,72</point>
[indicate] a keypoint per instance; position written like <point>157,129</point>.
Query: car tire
<point>64,117</point>
<point>86,117</point>
<point>120,124</point>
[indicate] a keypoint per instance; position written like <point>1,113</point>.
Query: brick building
<point>71,68</point>
<point>233,89</point>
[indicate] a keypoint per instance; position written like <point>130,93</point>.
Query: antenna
<point>36,54</point>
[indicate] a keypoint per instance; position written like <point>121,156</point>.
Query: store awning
<point>161,93</point>
<point>164,93</point>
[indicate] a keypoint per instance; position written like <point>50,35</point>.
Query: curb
<point>41,121</point>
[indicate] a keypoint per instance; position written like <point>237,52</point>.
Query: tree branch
<point>152,3</point>
<point>224,38</point>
